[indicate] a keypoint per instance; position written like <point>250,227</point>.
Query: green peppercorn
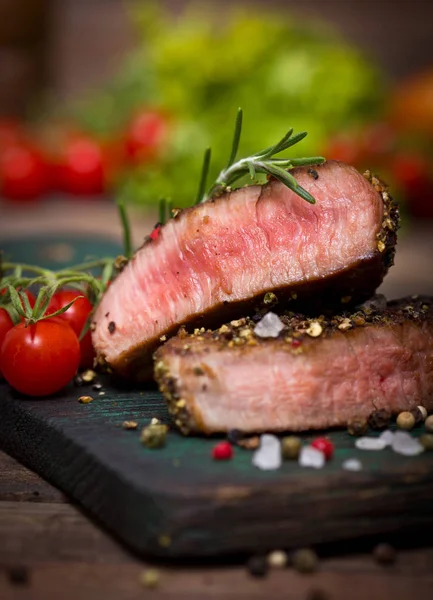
<point>150,578</point>
<point>405,420</point>
<point>357,426</point>
<point>379,419</point>
<point>290,447</point>
<point>305,560</point>
<point>426,440</point>
<point>154,435</point>
<point>429,424</point>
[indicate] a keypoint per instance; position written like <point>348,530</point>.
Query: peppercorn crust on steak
<point>215,261</point>
<point>356,363</point>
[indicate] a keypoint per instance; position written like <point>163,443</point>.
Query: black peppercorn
<point>78,381</point>
<point>19,575</point>
<point>111,326</point>
<point>379,419</point>
<point>385,554</point>
<point>234,436</point>
<point>258,566</point>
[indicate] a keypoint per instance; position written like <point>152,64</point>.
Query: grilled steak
<point>315,375</point>
<point>216,261</point>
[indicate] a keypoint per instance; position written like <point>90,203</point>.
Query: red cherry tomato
<point>344,148</point>
<point>145,135</point>
<point>412,173</point>
<point>82,166</point>
<point>6,323</point>
<point>40,359</point>
<point>24,173</point>
<point>76,316</point>
<point>10,133</point>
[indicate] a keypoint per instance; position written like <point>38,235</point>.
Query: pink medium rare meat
<point>315,375</point>
<point>217,260</point>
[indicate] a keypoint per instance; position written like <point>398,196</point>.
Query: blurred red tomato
<point>412,173</point>
<point>344,148</point>
<point>145,135</point>
<point>10,133</point>
<point>24,172</point>
<point>80,166</point>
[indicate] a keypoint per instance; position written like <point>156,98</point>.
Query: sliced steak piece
<point>356,363</point>
<point>215,261</point>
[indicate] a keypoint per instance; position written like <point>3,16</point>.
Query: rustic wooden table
<point>50,549</point>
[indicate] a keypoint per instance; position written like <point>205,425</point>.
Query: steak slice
<point>216,261</point>
<point>358,362</point>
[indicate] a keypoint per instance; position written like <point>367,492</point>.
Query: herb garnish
<point>264,161</point>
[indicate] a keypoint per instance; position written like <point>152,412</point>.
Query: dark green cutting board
<point>178,502</point>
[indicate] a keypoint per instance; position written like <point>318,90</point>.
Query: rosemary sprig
<point>264,161</point>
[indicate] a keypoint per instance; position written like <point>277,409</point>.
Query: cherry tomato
<point>10,133</point>
<point>145,135</point>
<point>344,148</point>
<point>412,172</point>
<point>82,166</point>
<point>40,359</point>
<point>76,316</point>
<point>24,172</point>
<point>6,323</point>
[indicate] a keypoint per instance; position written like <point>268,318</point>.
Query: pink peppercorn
<point>222,451</point>
<point>324,445</point>
<point>296,343</point>
<point>155,232</point>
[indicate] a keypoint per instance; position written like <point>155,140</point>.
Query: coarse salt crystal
<point>269,326</point>
<point>403,443</point>
<point>387,436</point>
<point>371,443</point>
<point>310,457</point>
<point>352,464</point>
<point>268,456</point>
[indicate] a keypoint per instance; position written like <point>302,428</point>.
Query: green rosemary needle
<point>264,161</point>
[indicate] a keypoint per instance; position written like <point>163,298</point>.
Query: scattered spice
<point>154,234</point>
<point>88,376</point>
<point>111,327</point>
<point>258,566</point>
<point>270,298</point>
<point>154,435</point>
<point>405,420</point>
<point>371,443</point>
<point>150,578</point>
<point>426,441</point>
<point>97,387</point>
<point>78,381</point>
<point>379,419</point>
<point>290,447</point>
<point>357,426</point>
<point>305,560</point>
<point>314,174</point>
<point>234,436</point>
<point>222,451</point>
<point>129,424</point>
<point>315,329</point>
<point>422,411</point>
<point>85,399</point>
<point>345,323</point>
<point>250,443</point>
<point>385,554</point>
<point>19,575</point>
<point>324,445</point>
<point>277,559</point>
<point>296,343</point>
<point>429,424</point>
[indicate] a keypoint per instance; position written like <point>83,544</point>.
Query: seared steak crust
<point>318,373</point>
<point>216,261</point>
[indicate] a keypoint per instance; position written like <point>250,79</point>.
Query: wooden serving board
<point>178,502</point>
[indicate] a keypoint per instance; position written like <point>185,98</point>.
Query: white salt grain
<point>311,457</point>
<point>268,456</point>
<point>403,443</point>
<point>371,443</point>
<point>352,464</point>
<point>269,326</point>
<point>387,436</point>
